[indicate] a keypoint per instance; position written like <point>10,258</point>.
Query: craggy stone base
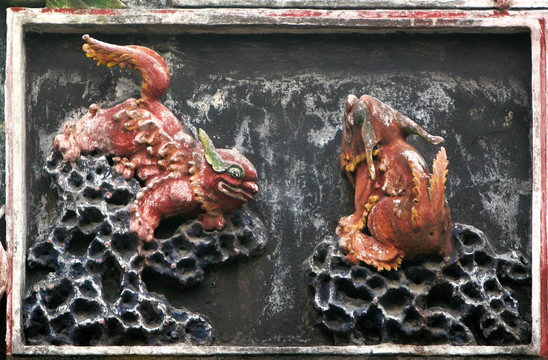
<point>427,301</point>
<point>93,293</point>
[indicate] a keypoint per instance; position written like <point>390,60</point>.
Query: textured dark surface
<point>279,100</point>
<point>469,301</point>
<point>93,293</point>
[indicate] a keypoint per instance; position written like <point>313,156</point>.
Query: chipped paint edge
<point>21,20</point>
<point>362,4</point>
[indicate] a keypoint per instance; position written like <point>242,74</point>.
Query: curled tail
<point>151,66</point>
<point>436,188</point>
<point>429,201</point>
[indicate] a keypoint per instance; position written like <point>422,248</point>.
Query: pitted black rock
<point>93,293</point>
<point>473,300</point>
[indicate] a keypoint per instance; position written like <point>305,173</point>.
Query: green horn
<point>211,155</point>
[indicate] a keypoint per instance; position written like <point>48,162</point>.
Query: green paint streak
<point>85,4</point>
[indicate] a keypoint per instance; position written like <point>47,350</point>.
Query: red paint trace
<point>181,176</point>
<point>402,21</point>
<point>544,200</point>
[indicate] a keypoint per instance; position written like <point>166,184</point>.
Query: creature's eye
<point>236,172</point>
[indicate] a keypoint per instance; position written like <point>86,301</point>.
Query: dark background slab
<point>278,98</point>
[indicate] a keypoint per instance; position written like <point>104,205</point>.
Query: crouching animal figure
<point>181,176</point>
<point>400,207</point>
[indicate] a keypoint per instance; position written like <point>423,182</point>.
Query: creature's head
<point>228,176</point>
<point>377,123</point>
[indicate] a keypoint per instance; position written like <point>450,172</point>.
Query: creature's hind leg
<point>362,247</point>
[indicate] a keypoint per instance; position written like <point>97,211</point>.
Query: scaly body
<point>400,207</point>
<point>181,176</point>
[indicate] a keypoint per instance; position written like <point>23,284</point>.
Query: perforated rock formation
<point>470,301</point>
<point>93,293</point>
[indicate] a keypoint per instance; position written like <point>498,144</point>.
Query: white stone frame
<point>223,20</point>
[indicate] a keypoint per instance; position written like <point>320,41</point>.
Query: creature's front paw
<point>350,224</point>
<point>141,228</point>
<point>124,167</point>
<point>67,146</point>
<point>212,221</point>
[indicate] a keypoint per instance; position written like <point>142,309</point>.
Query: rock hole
<point>129,318</point>
<point>75,180</point>
<point>77,270</point>
<point>369,326</point>
<point>92,194</point>
<point>376,282</point>
<point>351,291</point>
<point>125,244</point>
<point>246,237</point>
<point>58,294</point>
<point>68,217</point>
<point>85,309</point>
<point>37,327</point>
<point>413,318</point>
<point>168,227</point>
<point>491,286</point>
<point>467,262</point>
<point>509,318</point>
<point>440,295</point>
<point>87,289</point>
<point>62,324</point>
<point>497,305</point>
<point>437,321</point>
<point>86,335</point>
<point>111,280</point>
<point>188,264</point>
<point>453,272</point>
<point>79,243</point>
<point>129,298</point>
<point>198,331</point>
<point>320,255</point>
<point>227,241</point>
<point>472,290</point>
<point>90,215</point>
<point>482,259</point>
<point>152,315</point>
<point>419,275</point>
<point>470,239</point>
<point>395,299</point>
<point>336,318</point>
<point>120,197</point>
<point>96,248</point>
<point>208,252</point>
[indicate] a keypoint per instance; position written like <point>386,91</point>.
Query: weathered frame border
<point>223,20</point>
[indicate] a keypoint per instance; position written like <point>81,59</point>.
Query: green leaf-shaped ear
<point>211,155</point>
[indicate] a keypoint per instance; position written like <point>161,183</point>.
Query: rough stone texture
<point>278,99</point>
<point>148,4</point>
<point>469,301</point>
<point>93,292</point>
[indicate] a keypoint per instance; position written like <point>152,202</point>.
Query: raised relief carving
<point>118,172</point>
<point>401,209</point>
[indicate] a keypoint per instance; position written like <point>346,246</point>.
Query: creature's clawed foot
<point>124,167</point>
<point>143,229</point>
<point>361,247</point>
<point>350,224</point>
<point>212,221</point>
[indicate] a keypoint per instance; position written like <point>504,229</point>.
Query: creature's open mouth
<point>239,193</point>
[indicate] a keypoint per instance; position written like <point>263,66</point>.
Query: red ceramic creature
<point>181,176</point>
<point>401,208</point>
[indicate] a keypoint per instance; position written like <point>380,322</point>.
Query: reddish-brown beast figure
<point>401,208</point>
<point>181,176</point>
